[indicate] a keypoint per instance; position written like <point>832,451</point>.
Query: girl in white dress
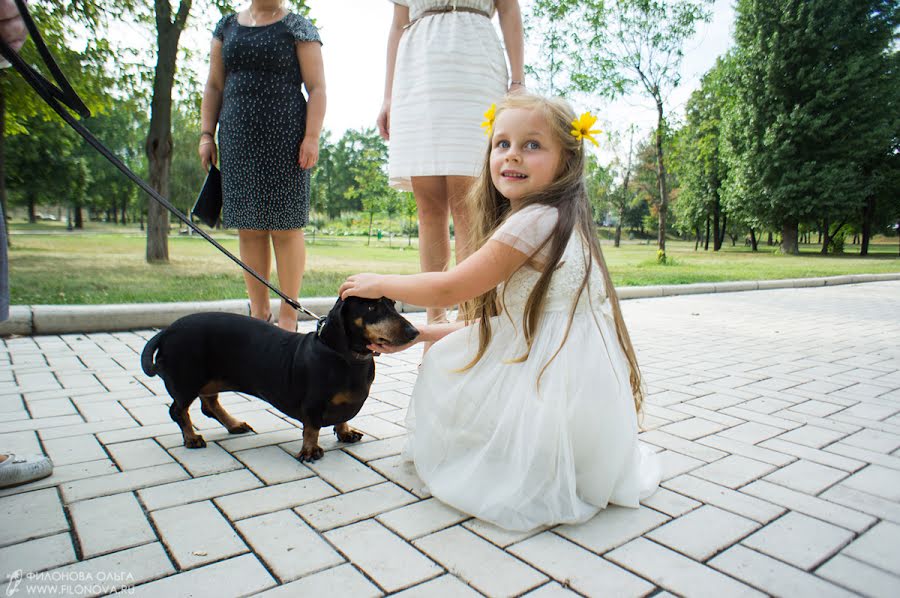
<point>529,416</point>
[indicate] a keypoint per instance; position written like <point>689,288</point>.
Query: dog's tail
<point>147,362</point>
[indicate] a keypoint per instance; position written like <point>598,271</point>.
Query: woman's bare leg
<point>255,252</point>
<point>434,229</point>
<point>290,261</point>
<point>457,193</point>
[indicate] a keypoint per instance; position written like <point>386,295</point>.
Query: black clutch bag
<point>209,203</point>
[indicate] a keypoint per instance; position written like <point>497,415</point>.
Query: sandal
<point>20,469</point>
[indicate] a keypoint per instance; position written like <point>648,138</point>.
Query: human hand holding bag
<point>209,202</point>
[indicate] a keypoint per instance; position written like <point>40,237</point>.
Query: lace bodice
<point>564,284</point>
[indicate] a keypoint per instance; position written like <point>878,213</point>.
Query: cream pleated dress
<point>450,68</point>
<point>490,443</point>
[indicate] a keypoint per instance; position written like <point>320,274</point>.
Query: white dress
<point>450,68</point>
<point>490,443</point>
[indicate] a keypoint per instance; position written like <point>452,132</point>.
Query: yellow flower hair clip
<point>581,128</point>
<point>488,124</point>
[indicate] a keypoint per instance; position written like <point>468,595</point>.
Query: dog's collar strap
<point>319,324</point>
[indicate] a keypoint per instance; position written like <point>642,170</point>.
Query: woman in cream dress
<point>445,67</point>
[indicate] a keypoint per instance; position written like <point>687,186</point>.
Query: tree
<point>698,162</point>
<point>809,109</point>
<point>622,197</point>
<point>632,43</point>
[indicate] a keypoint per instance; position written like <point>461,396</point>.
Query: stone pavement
<point>775,414</point>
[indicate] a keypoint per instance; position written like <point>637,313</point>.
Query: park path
<point>775,414</point>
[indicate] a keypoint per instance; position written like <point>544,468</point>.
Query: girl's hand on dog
<point>393,348</point>
<point>366,285</point>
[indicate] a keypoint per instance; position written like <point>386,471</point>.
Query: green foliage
<point>810,106</point>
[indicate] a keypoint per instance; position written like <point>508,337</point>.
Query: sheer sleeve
<point>401,2</point>
<point>302,29</point>
<point>219,31</point>
<point>526,229</point>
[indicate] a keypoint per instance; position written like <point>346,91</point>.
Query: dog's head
<point>354,323</point>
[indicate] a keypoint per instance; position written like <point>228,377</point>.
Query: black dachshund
<point>321,378</point>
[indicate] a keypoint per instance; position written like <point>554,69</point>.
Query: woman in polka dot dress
<point>269,139</point>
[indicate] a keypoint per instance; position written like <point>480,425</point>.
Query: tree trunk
<point>826,236</point>
<point>3,203</point>
<point>868,214</point>
<point>159,138</point>
<point>789,237</point>
<point>618,238</point>
<point>770,242</point>
<point>369,238</point>
<point>32,212</point>
<point>717,243</point>
<point>79,217</point>
<point>721,240</point>
<point>696,238</point>
<point>661,175</point>
<point>706,238</point>
<point>754,242</point>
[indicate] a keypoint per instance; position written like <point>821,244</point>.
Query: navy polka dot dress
<point>261,124</point>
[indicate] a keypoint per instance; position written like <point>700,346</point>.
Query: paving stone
<point>814,455</point>
<point>860,577</point>
<point>125,481</point>
<point>772,576</point>
<point>139,453</point>
<point>577,568</point>
<point>273,465</point>
<point>797,501</point>
<point>799,540</point>
<point>384,557</point>
<point>811,436</point>
<point>240,576</point>
<point>719,496</point>
<point>611,527</point>
<point>499,536</point>
<point>37,555</point>
<point>806,476</point>
<point>119,571</point>
<point>110,523</point>
<point>197,534</point>
<point>486,567</point>
<point>674,464</point>
<point>63,474</point>
<point>344,472</point>
<point>211,486</point>
<point>354,506</point>
<point>74,450</point>
<point>421,518</point>
<point>81,429</point>
<point>443,586</point>
<point>287,544</point>
<point>733,471</point>
<point>878,481</point>
<point>670,503</point>
<point>377,449</point>
<point>209,460</point>
<point>244,442</point>
<point>703,532</point>
<point>401,472</point>
<point>751,451</point>
<point>761,418</point>
<point>675,572</point>
<point>694,428</point>
<point>344,578</point>
<point>891,461</point>
<point>680,445</point>
<point>878,547</point>
<point>31,515</point>
<point>860,501</point>
<point>274,498</point>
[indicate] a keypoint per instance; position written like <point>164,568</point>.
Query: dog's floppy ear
<point>332,332</point>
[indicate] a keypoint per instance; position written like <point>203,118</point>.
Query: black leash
<point>60,94</point>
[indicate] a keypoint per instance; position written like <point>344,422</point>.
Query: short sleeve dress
<point>450,68</point>
<point>261,124</point>
<point>493,443</point>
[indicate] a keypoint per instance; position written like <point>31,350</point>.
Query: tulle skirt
<point>492,443</point>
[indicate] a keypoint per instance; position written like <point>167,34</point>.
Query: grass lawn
<point>105,264</point>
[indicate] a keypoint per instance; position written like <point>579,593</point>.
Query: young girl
<point>528,418</point>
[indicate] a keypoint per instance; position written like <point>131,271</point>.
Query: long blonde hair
<point>568,194</point>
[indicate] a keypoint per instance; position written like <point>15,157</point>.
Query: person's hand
<point>517,87</point>
<point>363,285</point>
<point>208,153</point>
<point>12,27</point>
<point>309,153</point>
<point>384,121</point>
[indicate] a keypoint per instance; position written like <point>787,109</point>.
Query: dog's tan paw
<point>310,454</point>
<point>348,434</point>
<point>242,428</point>
<point>195,442</point>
